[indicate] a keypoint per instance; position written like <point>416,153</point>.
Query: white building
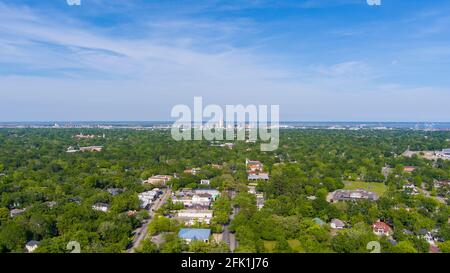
<point>201,199</point>
<point>31,246</point>
<point>337,224</point>
<point>146,198</point>
<point>251,189</point>
<point>410,189</point>
<point>193,216</point>
<point>71,149</point>
<point>259,176</point>
<point>205,182</point>
<point>91,149</point>
<point>196,198</point>
<point>259,200</point>
<point>100,207</point>
<point>446,152</point>
<point>17,212</point>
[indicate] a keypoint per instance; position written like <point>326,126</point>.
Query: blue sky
<point>320,60</point>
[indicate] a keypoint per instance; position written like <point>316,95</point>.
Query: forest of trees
<point>57,189</point>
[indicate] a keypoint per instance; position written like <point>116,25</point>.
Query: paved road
<point>142,231</point>
<point>227,236</point>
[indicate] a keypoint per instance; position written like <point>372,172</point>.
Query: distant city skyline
<point>320,60</point>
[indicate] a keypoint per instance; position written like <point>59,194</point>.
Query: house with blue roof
<point>319,221</point>
<point>192,234</point>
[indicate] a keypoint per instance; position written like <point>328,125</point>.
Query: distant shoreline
<point>350,125</point>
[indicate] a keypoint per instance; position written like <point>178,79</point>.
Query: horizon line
<point>281,121</point>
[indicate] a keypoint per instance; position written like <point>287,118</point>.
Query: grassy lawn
<point>376,187</point>
<point>296,246</point>
<point>270,245</point>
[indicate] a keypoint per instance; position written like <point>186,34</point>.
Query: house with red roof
<point>381,228</point>
<point>409,169</point>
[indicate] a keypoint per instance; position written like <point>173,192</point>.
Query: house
<point>101,207</point>
<point>91,149</point>
<point>114,191</point>
<point>132,213</point>
<point>259,200</point>
<point>381,229</point>
<point>427,236</point>
<point>192,171</point>
<point>407,232</point>
<point>337,224</point>
<point>205,182</point>
<point>386,171</point>
<point>51,204</point>
<point>445,153</point>
<point>410,189</point>
<point>217,166</point>
<point>194,234</point>
<point>352,195</point>
<point>75,200</point>
<point>16,212</point>
<point>158,180</point>
<point>81,136</point>
<point>257,176</point>
<point>71,150</point>
<point>228,145</point>
<point>319,221</point>
<point>191,216</point>
<point>251,189</point>
<point>442,184</point>
<point>409,169</point>
<point>31,246</point>
<point>254,166</point>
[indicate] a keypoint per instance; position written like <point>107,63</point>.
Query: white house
<point>31,246</point>
<point>259,200</point>
<point>204,182</point>
<point>257,176</point>
<point>445,153</point>
<point>337,224</point>
<point>100,207</point>
<point>16,212</point>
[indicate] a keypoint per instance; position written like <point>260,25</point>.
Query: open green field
<point>376,187</point>
<point>270,246</point>
<point>296,246</point>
